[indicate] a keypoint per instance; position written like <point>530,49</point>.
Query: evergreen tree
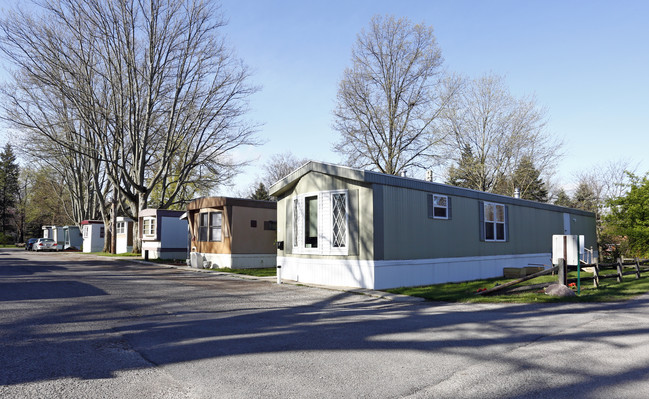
<point>527,179</point>
<point>585,198</point>
<point>261,193</point>
<point>563,199</point>
<point>8,187</point>
<point>464,174</point>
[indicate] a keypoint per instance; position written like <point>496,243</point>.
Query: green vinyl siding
<point>390,217</point>
<point>410,234</point>
<point>359,222</point>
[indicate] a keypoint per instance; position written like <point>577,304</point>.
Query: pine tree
<point>261,193</point>
<point>8,187</point>
<point>464,174</point>
<point>585,198</point>
<point>563,199</point>
<point>527,179</point>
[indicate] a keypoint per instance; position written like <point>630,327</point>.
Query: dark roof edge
<point>208,202</point>
<point>410,183</point>
<point>159,212</point>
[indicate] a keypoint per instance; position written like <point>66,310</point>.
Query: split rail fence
<point>623,267</point>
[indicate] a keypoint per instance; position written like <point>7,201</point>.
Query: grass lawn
<point>609,290</point>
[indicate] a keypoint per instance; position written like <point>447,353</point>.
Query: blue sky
<point>587,62</point>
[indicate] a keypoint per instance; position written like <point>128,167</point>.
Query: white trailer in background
<point>72,237</point>
<point>124,231</point>
<point>93,232</point>
<point>164,235</point>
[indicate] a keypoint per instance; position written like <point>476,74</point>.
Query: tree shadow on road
<point>102,334</point>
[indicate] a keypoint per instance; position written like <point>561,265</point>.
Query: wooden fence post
<point>596,273</point>
<point>637,268</point>
<point>563,272</point>
<point>619,270</point>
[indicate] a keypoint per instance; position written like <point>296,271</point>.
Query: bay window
<point>320,223</point>
<point>148,227</point>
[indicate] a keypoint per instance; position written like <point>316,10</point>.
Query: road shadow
<point>22,291</point>
<point>25,269</point>
<point>170,330</point>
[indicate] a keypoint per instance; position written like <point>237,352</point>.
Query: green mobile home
<point>350,227</point>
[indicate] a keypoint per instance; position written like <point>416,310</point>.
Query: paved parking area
<point>78,326</point>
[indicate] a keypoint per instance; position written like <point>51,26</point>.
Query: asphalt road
<point>76,326</point>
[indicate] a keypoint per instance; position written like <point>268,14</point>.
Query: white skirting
<point>232,261</point>
<point>401,273</point>
<point>122,246</point>
<point>156,251</point>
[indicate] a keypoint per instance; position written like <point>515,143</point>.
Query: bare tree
<point>391,97</point>
<point>81,177</point>
<point>56,137</point>
<point>611,179</point>
<point>605,182</point>
<point>279,166</point>
<point>490,132</point>
<point>276,168</point>
<point>157,96</point>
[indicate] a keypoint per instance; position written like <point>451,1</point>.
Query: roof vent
<point>429,175</point>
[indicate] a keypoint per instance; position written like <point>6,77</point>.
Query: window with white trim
<point>296,222</point>
<point>210,226</point>
<point>311,222</point>
<point>439,206</point>
<point>216,225</point>
<point>339,220</point>
<point>121,228</point>
<point>495,222</point>
<point>320,223</point>
<point>148,227</point>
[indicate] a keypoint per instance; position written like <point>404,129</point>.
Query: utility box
<point>568,247</point>
<point>196,260</point>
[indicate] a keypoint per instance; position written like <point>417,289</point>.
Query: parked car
<point>45,244</point>
<point>29,245</point>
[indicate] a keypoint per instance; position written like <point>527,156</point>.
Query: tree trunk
<point>137,239</point>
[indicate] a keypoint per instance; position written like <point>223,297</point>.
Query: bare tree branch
<point>149,91</point>
<point>391,98</point>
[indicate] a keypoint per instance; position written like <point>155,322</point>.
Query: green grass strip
<point>608,291</point>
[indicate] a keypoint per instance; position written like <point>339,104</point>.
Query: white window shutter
<point>324,222</point>
<point>300,222</point>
